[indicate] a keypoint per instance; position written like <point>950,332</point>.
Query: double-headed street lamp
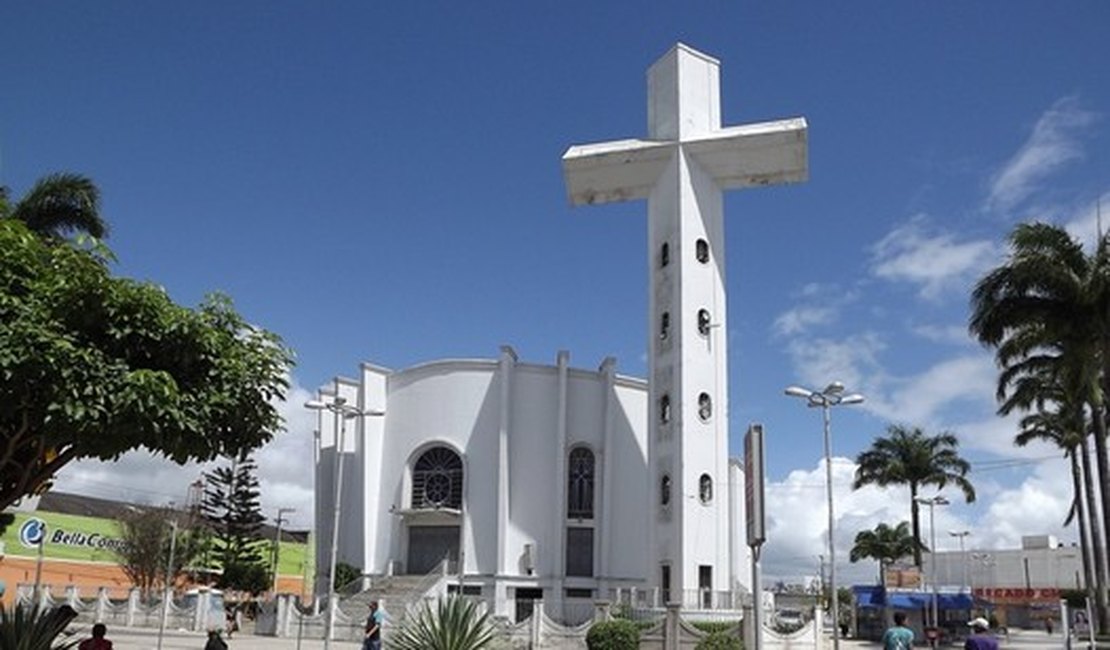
<point>343,412</point>
<point>961,534</point>
<point>932,502</point>
<point>832,395</point>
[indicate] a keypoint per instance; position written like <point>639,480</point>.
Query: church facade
<point>534,479</point>
<point>547,482</point>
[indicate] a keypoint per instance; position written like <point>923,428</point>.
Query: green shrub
<point>618,634</point>
<point>719,641</point>
<point>711,627</point>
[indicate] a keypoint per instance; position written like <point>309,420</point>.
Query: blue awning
<point>878,597</point>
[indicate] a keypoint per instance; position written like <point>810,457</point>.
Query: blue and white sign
<point>32,533</point>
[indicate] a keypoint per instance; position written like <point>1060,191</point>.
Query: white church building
<point>558,483</point>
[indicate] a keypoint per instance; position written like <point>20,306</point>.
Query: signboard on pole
<point>753,485</point>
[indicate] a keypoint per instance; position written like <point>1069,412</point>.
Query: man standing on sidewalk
<point>898,637</point>
<point>981,638</point>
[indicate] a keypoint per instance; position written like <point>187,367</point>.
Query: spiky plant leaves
<point>452,623</point>
<point>29,628</point>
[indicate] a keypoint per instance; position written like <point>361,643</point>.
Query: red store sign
<point>1001,594</point>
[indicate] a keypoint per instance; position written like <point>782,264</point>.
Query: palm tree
<point>906,456</point>
<point>58,205</point>
<point>884,544</point>
<point>1065,426</point>
<point>1046,311</point>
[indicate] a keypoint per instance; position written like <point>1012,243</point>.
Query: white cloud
<point>285,471</point>
<point>797,519</point>
<point>852,361</point>
<point>1084,224</point>
<point>937,262</point>
<point>920,399</point>
<point>800,319</point>
<point>947,334</point>
<point>820,304</point>
<point>1053,143</point>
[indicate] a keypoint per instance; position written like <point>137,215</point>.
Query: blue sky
<point>381,182</point>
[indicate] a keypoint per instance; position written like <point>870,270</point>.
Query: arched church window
<point>665,490</point>
<point>580,484</point>
<point>664,255</point>
<point>664,326</point>
<point>703,322</point>
<point>701,251</point>
<point>665,409</point>
<point>705,488</point>
<point>437,480</point>
<point>705,406</point>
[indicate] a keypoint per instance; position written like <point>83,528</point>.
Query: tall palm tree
<point>58,205</point>
<point>1046,311</point>
<point>906,456</point>
<point>884,544</point>
<point>1065,426</point>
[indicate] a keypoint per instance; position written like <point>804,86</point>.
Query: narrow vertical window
<point>703,322</point>
<point>705,488</point>
<point>705,406</point>
<point>665,409</point>
<point>701,251</point>
<point>580,484</point>
<point>665,490</point>
<point>664,326</point>
<point>664,255</point>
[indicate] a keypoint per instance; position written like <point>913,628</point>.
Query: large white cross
<point>682,169</point>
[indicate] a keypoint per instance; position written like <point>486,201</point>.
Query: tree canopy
<point>58,205</point>
<point>93,366</point>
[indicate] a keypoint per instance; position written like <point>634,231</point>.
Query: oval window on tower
<point>705,406</point>
<point>665,490</point>
<point>701,251</point>
<point>703,322</point>
<point>664,326</point>
<point>664,254</point>
<point>705,488</point>
<point>665,409</point>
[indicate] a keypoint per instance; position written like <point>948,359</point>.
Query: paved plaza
<point>143,639</point>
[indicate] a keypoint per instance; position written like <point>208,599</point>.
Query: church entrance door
<point>428,545</point>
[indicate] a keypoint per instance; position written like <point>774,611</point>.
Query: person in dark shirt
<point>97,642</point>
<point>981,638</point>
<point>373,638</point>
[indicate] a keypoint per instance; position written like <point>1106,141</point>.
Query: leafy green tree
<point>93,366</point>
<point>453,623</point>
<point>148,535</point>
<point>883,544</point>
<point>345,574</point>
<point>58,205</point>
<point>906,456</point>
<point>232,508</point>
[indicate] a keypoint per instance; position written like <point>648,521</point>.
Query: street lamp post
<point>961,534</point>
<point>932,502</point>
<point>169,582</point>
<point>277,543</point>
<point>343,412</point>
<point>832,395</point>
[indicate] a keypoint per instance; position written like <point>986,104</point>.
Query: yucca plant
<point>452,623</point>
<point>29,628</point>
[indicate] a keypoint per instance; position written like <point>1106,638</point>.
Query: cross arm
<point>622,170</point>
<point>768,153</point>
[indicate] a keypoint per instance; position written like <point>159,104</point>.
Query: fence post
<point>602,612</point>
<point>671,640</point>
<point>101,604</point>
<point>534,624</point>
<point>132,606</point>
